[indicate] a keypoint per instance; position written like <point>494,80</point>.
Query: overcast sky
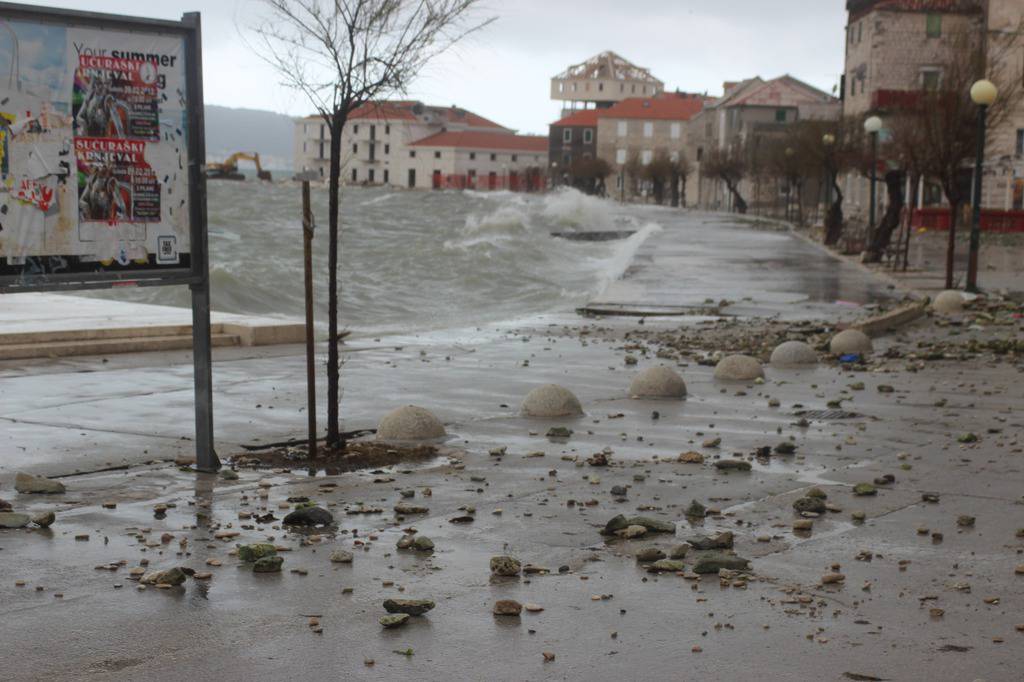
<point>504,71</point>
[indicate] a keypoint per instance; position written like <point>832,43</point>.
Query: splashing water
<point>411,261</point>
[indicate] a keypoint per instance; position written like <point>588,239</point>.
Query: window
<point>472,172</point>
<point>931,78</point>
<point>371,175</point>
<point>472,156</point>
<point>494,157</point>
<point>700,153</point>
<point>387,131</point>
<point>588,136</point>
<point>373,132</point>
<point>860,31</point>
<point>355,149</point>
<point>566,159</point>
<point>674,131</point>
<point>648,128</point>
<point>387,149</point>
<point>620,156</point>
<point>412,153</point>
<point>600,87</point>
<point>632,88</point>
<point>515,158</point>
<point>623,128</point>
<point>567,135</point>
<point>1020,143</point>
<point>354,175</point>
<point>646,156</point>
<point>780,115</point>
<point>386,174</point>
<point>355,130</point>
<point>303,147</point>
<point>853,85</point>
<point>437,155</point>
<point>933,26</point>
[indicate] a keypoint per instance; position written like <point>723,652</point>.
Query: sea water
<point>411,261</point>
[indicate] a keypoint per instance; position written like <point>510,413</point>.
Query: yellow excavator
<point>229,169</point>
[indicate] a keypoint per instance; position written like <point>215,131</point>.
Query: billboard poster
<point>93,150</point>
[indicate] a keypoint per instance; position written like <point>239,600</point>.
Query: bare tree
<point>680,171</point>
<point>588,175</point>
<point>942,122</point>
<point>730,165</point>
<point>343,54</point>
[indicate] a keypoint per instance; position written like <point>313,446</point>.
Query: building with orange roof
<point>380,143</point>
<point>473,159</point>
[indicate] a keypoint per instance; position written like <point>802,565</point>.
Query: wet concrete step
<point>107,346</point>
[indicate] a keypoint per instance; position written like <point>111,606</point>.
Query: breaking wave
<point>411,261</point>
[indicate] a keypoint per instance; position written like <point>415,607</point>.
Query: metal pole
<point>206,457</point>
<point>972,263</point>
<point>874,167</point>
<point>307,254</point>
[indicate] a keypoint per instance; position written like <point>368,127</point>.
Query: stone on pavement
<point>14,520</point>
<point>37,485</point>
<point>948,302</point>
<point>713,562</point>
<point>551,400</point>
<point>394,620</point>
<point>850,342</point>
<point>738,368</point>
<point>505,565</point>
<point>658,382</point>
<point>170,576</point>
<point>309,516</point>
<point>44,519</point>
<point>412,607</point>
<point>507,607</point>
<point>268,564</point>
<point>793,354</point>
<point>258,550</point>
<point>410,423</point>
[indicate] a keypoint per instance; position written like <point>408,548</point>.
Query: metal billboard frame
<point>196,276</point>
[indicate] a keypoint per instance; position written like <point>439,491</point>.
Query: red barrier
<point>991,220</point>
<point>513,182</point>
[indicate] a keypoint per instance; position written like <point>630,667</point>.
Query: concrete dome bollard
<point>948,302</point>
<point>410,423</point>
<point>658,382</point>
<point>551,400</point>
<point>850,341</point>
<point>738,368</point>
<point>794,354</point>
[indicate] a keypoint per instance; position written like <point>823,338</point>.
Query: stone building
<point>379,145</point>
<point>477,160</point>
<point>748,114</point>
<point>642,128</point>
<point>897,48</point>
<point>571,139</point>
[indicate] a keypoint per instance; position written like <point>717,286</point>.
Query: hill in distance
<point>230,130</point>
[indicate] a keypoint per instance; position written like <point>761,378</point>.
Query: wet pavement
<point>605,618</point>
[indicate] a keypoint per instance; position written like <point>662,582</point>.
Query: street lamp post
<point>983,93</point>
<point>872,125</point>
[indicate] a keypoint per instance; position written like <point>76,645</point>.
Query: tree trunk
<point>834,217</point>
<point>682,192</point>
<point>739,203</point>
<point>333,366</point>
<point>890,220</point>
<point>954,212</point>
<point>675,191</point>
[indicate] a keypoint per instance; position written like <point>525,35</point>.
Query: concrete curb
<point>885,322</point>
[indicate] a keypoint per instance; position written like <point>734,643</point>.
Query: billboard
<point>95,150</point>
